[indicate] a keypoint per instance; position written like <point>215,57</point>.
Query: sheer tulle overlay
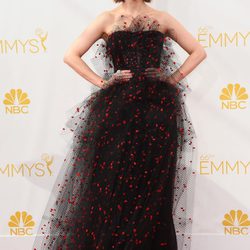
<point>127,181</point>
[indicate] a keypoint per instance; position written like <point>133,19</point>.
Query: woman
<point>129,167</point>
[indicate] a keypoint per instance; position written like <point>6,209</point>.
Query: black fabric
<point>127,180</point>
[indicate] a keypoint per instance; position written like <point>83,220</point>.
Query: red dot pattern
<point>125,179</point>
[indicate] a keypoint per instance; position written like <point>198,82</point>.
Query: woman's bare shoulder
<point>167,17</point>
<point>161,15</point>
<point>106,16</point>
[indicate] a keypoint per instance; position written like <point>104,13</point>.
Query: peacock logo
<point>21,223</point>
<point>236,223</point>
<point>16,102</point>
<point>233,96</point>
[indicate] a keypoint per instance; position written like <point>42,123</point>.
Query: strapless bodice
<point>137,43</point>
<point>135,50</point>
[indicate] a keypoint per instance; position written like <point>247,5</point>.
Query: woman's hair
<point>117,1</point>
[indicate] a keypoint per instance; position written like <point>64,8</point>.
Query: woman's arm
<point>81,45</point>
<point>177,32</point>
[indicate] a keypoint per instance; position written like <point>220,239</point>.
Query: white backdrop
<point>37,89</point>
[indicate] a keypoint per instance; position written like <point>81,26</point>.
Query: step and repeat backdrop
<point>37,91</point>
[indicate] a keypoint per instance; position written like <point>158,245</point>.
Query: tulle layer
<point>127,180</point>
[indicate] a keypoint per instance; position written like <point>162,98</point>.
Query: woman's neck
<point>133,7</point>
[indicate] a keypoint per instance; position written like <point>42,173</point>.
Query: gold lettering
<point>2,46</point>
<point>229,167</point>
<point>202,167</point>
<point>245,166</point>
<point>34,45</point>
<point>29,168</point>
<point>212,39</point>
<point>244,37</point>
<point>17,170</point>
<point>226,38</point>
<point>8,45</point>
<point>39,167</point>
<point>217,168</point>
<point>23,45</point>
<point>7,169</point>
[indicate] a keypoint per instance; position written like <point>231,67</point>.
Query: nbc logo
<point>21,223</point>
<point>233,97</point>
<point>236,223</point>
<point>16,102</point>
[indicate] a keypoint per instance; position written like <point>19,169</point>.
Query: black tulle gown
<point>127,180</point>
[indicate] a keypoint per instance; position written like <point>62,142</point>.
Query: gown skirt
<point>125,179</point>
